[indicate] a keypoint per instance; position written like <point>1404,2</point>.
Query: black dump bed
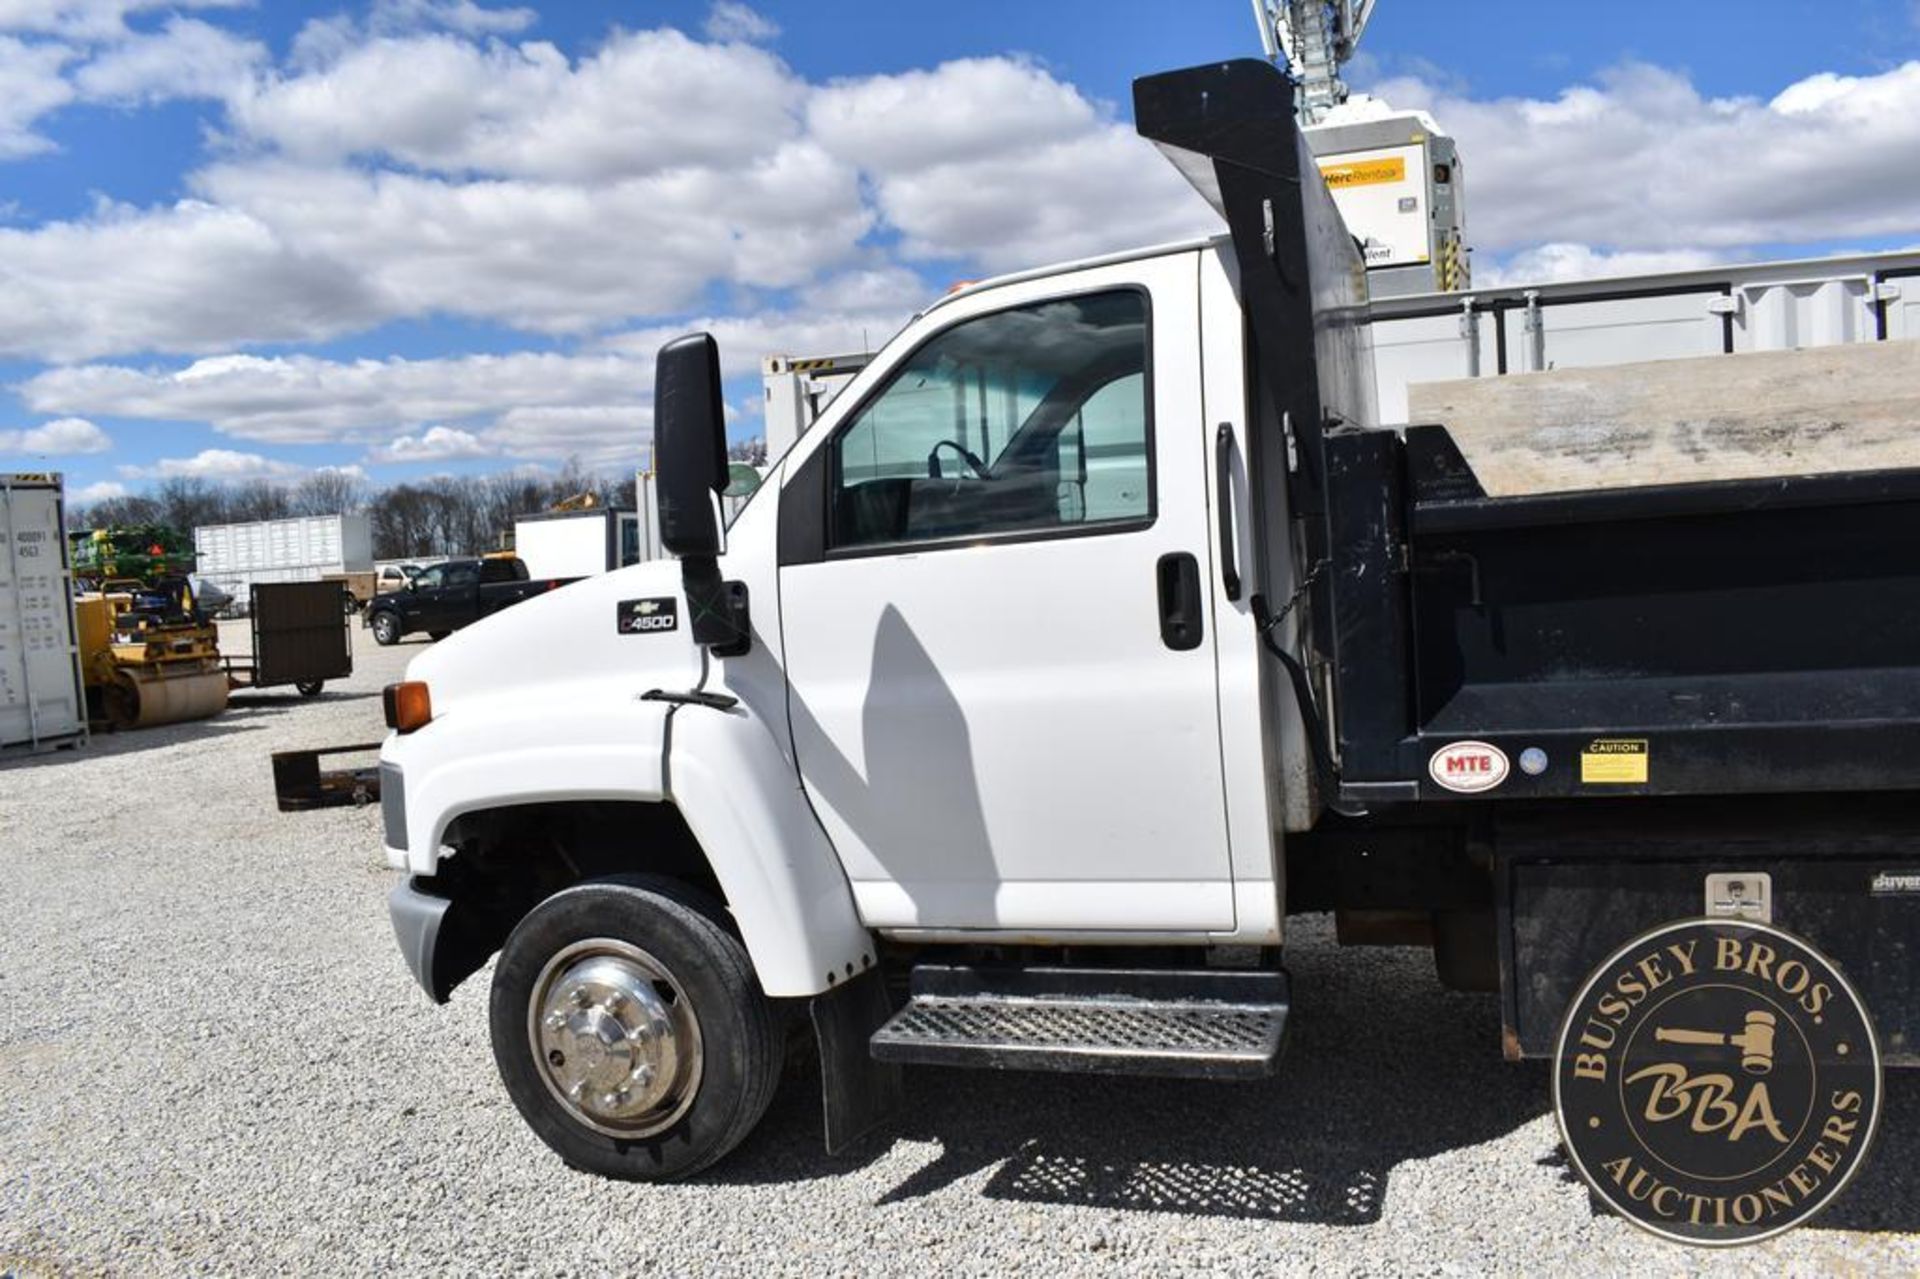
<point>1730,637</point>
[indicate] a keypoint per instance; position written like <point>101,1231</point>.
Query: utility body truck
<point>1096,628</point>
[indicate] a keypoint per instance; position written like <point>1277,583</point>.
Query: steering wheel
<point>971,458</point>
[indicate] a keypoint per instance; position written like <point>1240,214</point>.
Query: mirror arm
<point>717,609</point>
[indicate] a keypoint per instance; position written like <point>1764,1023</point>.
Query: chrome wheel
<point>614,1037</point>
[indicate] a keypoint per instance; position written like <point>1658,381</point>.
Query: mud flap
<point>858,1094</point>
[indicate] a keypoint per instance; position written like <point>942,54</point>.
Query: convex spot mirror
<point>742,480</point>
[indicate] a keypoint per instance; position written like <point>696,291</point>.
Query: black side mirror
<point>690,467</point>
<point>689,444</point>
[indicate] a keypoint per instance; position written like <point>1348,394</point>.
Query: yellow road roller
<point>148,655</point>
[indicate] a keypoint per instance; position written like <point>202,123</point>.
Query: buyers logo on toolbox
<point>1468,767</point>
<point>642,617</point>
<point>1717,1081</point>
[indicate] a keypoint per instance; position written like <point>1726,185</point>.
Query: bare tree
<point>447,515</point>
<point>187,501</point>
<point>329,493</point>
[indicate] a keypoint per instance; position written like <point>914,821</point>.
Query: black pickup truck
<point>450,595</point>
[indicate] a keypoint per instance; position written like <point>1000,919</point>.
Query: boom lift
<point>1316,37</point>
<point>1395,175</point>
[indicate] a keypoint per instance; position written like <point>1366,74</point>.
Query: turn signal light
<point>407,705</point>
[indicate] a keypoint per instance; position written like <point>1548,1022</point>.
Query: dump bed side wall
<point>1524,328</point>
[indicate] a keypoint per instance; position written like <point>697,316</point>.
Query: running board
<point>1206,1024</point>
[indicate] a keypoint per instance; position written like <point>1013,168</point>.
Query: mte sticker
<point>644,617</point>
<point>1614,761</point>
<point>1468,767</point>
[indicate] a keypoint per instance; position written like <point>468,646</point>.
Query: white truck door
<point>994,609</point>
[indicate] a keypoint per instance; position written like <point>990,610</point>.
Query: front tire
<point>630,1030</point>
<point>386,629</point>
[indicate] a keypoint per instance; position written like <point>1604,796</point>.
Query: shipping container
<point>42,700</point>
<point>234,557</point>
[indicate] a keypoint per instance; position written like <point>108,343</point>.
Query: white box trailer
<point>577,543</point>
<point>42,701</point>
<point>235,556</point>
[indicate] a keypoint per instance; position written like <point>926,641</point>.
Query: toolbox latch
<point>1747,896</point>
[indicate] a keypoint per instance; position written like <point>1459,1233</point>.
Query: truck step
<point>1203,1024</point>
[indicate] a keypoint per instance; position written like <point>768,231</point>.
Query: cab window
<point>1028,421</point>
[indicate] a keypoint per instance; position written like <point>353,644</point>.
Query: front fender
<point>736,791</point>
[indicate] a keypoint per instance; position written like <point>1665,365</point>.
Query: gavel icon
<point>1755,1042</point>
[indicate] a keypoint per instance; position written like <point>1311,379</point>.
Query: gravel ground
<point>212,1059</point>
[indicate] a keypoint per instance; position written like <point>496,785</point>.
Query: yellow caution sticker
<point>1364,173</point>
<point>1614,761</point>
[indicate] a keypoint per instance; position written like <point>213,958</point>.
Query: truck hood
<point>566,638</point>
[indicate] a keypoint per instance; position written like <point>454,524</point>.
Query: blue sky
<point>415,236</point>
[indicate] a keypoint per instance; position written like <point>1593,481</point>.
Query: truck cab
<point>1071,650</point>
<point>1002,684</point>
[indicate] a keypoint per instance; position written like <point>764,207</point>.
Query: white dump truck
<point>1096,628</point>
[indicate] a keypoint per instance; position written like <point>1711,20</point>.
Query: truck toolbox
<point>1845,875</point>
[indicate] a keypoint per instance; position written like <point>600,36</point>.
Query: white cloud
<point>435,444</point>
<point>554,256</point>
<point>1548,263</point>
<point>418,162</point>
<point>59,438</point>
<point>463,16</point>
<point>846,315</point>
<point>99,491</point>
<point>1641,161</point>
<point>32,83</point>
<point>646,103</point>
<point>91,19</point>
<point>222,465</point>
<point>602,435</point>
<point>303,399</point>
<point>187,58</point>
<point>408,177</point>
<point>191,276</point>
<point>994,160</point>
<point>529,405</point>
<point>731,20</point>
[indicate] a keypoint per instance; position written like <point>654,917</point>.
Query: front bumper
<point>417,920</point>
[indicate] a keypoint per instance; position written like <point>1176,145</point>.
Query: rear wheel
<point>630,1030</point>
<point>309,687</point>
<point>386,629</point>
<point>437,636</point>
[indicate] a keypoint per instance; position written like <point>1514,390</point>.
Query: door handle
<point>1177,580</point>
<point>1223,508</point>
